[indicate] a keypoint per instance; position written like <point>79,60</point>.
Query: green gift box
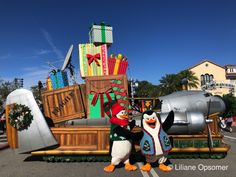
<point>96,104</point>
<point>101,34</point>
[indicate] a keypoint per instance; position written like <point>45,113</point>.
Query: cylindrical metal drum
<point>186,123</point>
<point>192,101</point>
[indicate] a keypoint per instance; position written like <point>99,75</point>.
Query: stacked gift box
<point>100,90</point>
<point>93,60</point>
<point>117,64</point>
<point>102,73</point>
<point>58,79</point>
<point>101,34</point>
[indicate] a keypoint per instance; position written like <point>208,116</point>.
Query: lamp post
<point>134,85</point>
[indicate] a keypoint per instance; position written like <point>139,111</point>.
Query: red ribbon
<point>101,105</point>
<point>92,58</point>
<point>95,98</point>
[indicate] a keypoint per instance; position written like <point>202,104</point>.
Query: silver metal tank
<point>186,123</point>
<point>192,101</point>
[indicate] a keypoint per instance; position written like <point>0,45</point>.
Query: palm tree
<point>174,82</point>
<point>169,83</point>
<point>189,77</point>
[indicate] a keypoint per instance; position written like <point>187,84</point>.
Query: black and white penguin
<point>155,143</point>
<point>120,138</point>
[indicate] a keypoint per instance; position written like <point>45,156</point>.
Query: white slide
<point>38,135</point>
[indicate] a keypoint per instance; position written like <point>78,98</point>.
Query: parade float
<point>74,124</point>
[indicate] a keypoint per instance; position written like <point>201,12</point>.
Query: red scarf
<point>121,122</point>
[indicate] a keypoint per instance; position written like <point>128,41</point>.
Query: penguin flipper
<point>132,124</point>
<point>169,121</point>
<point>128,134</point>
<point>110,147</point>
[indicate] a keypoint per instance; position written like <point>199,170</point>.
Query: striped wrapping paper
<point>93,60</point>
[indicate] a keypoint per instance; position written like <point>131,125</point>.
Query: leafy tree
<point>174,82</point>
<point>230,102</point>
<point>145,89</point>
<point>6,88</point>
<point>169,83</point>
<point>36,92</point>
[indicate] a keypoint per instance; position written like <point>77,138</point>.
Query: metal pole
<point>132,92</point>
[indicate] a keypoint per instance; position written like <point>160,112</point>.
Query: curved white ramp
<point>38,135</point>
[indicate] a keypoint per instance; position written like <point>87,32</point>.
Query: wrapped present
<point>101,34</point>
<point>49,84</point>
<point>96,104</point>
<point>93,60</point>
<point>102,84</point>
<point>117,64</point>
<point>59,79</point>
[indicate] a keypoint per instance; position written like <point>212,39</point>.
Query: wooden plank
<point>82,138</point>
<point>103,140</point>
<point>87,147</point>
<point>12,136</point>
<point>8,127</point>
<point>74,128</point>
<point>70,152</point>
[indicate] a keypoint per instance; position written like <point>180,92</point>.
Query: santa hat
<point>116,108</point>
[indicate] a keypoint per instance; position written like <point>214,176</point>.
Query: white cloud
<point>32,75</point>
<point>43,52</point>
<point>48,37</point>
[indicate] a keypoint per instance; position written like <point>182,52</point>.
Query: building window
<point>231,70</point>
<point>206,78</point>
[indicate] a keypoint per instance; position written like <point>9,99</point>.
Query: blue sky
<point>158,37</point>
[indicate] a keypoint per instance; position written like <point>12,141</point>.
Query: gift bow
<point>92,58</point>
<point>54,72</point>
<point>119,57</point>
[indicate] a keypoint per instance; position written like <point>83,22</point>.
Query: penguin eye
<point>153,118</point>
<point>147,118</point>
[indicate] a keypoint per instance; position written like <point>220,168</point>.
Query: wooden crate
<point>65,103</point>
<point>101,84</point>
<point>214,125</point>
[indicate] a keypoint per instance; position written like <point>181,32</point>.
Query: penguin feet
<point>110,168</point>
<point>130,167</point>
<point>164,168</point>
<point>146,167</point>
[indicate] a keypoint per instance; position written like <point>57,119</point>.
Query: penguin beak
<point>124,116</point>
<point>151,123</point>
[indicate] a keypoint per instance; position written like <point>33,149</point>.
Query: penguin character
<point>120,138</point>
<point>155,143</point>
